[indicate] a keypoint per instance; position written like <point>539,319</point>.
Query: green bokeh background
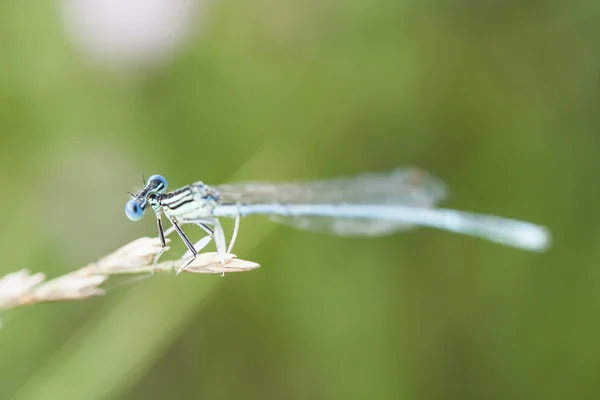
<point>499,99</point>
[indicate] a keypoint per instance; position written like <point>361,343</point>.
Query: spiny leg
<point>218,234</point>
<point>200,244</point>
<point>236,227</point>
<point>188,244</point>
<point>161,236</point>
<point>192,249</point>
<point>220,243</point>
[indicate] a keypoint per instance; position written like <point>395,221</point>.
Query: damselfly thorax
<point>193,201</point>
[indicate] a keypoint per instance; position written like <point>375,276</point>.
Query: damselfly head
<point>134,209</point>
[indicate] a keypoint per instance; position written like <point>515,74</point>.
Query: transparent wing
<point>405,186</point>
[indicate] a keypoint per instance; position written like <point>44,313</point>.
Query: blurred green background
<point>499,99</point>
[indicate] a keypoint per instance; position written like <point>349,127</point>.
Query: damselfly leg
<point>217,233</point>
<point>161,236</point>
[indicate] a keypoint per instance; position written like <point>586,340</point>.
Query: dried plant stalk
<point>24,288</point>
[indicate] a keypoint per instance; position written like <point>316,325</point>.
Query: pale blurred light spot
<point>128,32</point>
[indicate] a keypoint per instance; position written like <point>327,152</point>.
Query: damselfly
<point>370,204</point>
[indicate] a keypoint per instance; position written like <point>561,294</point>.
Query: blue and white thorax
<point>197,200</point>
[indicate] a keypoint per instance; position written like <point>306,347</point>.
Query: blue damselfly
<point>370,204</point>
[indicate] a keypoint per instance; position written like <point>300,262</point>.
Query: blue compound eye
<point>157,184</point>
<point>133,210</point>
